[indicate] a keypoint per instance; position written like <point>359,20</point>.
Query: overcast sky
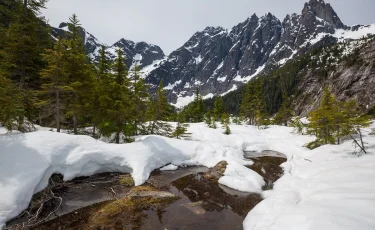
<point>170,23</point>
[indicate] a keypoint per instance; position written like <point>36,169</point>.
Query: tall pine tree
<point>219,109</point>
<point>21,46</point>
<point>159,111</point>
<point>140,97</point>
<point>55,83</point>
<point>323,121</point>
<point>80,76</point>
<point>116,107</point>
<point>253,106</point>
<point>198,107</point>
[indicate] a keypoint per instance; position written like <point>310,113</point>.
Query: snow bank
<point>239,177</point>
<point>326,188</point>
<point>28,160</point>
<point>169,167</point>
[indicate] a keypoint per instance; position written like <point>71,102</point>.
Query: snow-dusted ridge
<point>144,53</point>
<point>223,59</point>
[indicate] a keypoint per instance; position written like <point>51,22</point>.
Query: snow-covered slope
<point>327,188</point>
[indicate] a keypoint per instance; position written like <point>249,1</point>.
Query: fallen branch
<point>362,147</point>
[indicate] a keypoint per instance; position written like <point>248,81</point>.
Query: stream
<point>102,201</point>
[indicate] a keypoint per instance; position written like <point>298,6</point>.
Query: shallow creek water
<point>202,204</point>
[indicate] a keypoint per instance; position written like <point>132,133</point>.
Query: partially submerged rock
<point>147,191</point>
<point>195,207</point>
<point>140,198</point>
<point>216,172</point>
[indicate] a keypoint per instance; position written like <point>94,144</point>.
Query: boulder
<point>216,172</point>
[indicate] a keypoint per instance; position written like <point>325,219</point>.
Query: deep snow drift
<point>28,160</point>
<point>327,188</point>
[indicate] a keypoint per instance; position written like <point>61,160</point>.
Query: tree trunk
<point>93,131</point>
<point>361,138</point>
<point>361,146</point>
<point>58,111</point>
<point>75,124</point>
<point>118,137</point>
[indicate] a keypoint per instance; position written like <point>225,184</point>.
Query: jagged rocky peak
<point>146,53</point>
<point>259,38</point>
<point>211,30</point>
<point>199,38</point>
<point>323,11</point>
<point>250,24</point>
<point>91,42</point>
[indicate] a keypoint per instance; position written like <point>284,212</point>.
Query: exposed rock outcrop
<point>216,172</point>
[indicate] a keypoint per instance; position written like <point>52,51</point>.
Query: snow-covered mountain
<point>146,53</point>
<point>219,61</point>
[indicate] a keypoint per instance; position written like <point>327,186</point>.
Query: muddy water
<point>77,194</point>
<point>202,205</point>
<point>267,164</point>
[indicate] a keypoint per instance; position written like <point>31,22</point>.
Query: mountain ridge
<point>145,53</point>
<point>218,61</point>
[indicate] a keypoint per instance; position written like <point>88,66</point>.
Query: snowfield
<point>327,188</point>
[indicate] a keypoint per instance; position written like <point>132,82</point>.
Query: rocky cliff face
<point>142,51</point>
<point>218,61</point>
<point>349,80</point>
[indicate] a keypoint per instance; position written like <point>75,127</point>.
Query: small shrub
<point>314,144</point>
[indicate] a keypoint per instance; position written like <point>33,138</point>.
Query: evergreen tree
<point>323,121</point>
<point>24,37</point>
<point>34,5</point>
<point>104,65</point>
<point>237,120</point>
<point>298,125</point>
<point>80,76</point>
<point>103,77</point>
<point>159,110</point>
<point>219,109</point>
<point>116,107</point>
<point>54,83</point>
<point>247,111</point>
<point>181,128</point>
<point>225,120</point>
<point>141,100</point>
<point>285,113</point>
<point>208,119</point>
<point>353,120</point>
<point>198,113</point>
<point>11,106</point>
<point>253,107</point>
<point>334,120</point>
